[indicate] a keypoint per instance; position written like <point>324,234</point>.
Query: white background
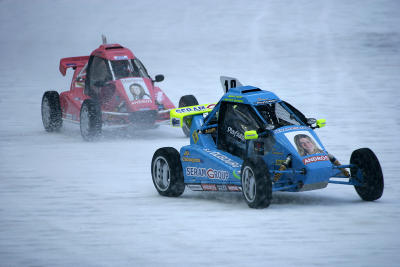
<point>66,202</point>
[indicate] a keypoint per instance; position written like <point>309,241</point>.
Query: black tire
<point>187,101</point>
<point>166,172</point>
<point>256,183</point>
<point>372,183</point>
<point>51,111</point>
<point>90,120</point>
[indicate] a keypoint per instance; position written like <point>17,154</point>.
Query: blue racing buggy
<point>255,143</point>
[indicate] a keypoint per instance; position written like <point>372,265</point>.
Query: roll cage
<point>211,120</point>
<point>228,122</point>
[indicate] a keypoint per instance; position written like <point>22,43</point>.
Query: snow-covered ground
<point>66,202</point>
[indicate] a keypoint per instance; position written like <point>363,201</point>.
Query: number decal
<point>226,85</point>
<point>232,84</point>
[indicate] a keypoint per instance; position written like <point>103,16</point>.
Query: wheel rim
<point>46,112</point>
<point>85,127</point>
<point>249,184</point>
<point>161,173</point>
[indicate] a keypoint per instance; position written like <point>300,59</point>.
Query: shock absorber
<point>283,167</point>
<point>337,163</point>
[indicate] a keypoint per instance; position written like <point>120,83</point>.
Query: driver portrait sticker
<point>136,90</point>
<point>304,143</point>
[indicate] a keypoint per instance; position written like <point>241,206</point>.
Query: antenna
<point>104,38</point>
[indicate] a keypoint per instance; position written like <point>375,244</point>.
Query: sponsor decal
<point>209,187</point>
<point>263,101</point>
<point>215,187</point>
<point>184,110</point>
<point>210,173</point>
<point>290,129</point>
<point>222,157</point>
<point>70,64</point>
<point>188,159</point>
<point>233,100</point>
<point>211,106</point>
<point>315,159</point>
<point>193,160</point>
<point>120,57</point>
<point>142,101</point>
<point>135,88</point>
<point>304,143</point>
<point>235,133</point>
<point>195,187</point>
<point>222,187</point>
<point>234,188</point>
<point>195,137</point>
<point>236,175</point>
<point>235,96</point>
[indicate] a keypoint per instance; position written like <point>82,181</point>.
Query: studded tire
<point>166,172</point>
<point>51,111</point>
<point>256,183</point>
<point>368,172</point>
<point>90,120</point>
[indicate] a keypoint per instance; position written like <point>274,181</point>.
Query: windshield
<point>128,68</point>
<point>275,114</point>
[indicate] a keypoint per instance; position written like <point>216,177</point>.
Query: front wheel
<point>51,111</point>
<point>187,101</point>
<point>90,120</point>
<point>166,172</point>
<point>256,183</point>
<point>368,172</point>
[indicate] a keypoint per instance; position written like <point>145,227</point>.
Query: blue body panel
<point>207,168</point>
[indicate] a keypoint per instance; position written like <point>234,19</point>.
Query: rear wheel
<point>90,120</point>
<point>186,101</point>
<point>51,111</point>
<point>368,172</point>
<point>166,172</point>
<point>256,183</point>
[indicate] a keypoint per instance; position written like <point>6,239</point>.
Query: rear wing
<point>178,114</point>
<point>72,62</point>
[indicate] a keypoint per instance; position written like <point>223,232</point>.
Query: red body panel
<point>116,100</point>
<point>72,62</point>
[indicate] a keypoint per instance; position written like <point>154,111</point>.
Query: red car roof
<point>113,52</point>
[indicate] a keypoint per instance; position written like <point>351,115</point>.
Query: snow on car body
<point>254,142</point>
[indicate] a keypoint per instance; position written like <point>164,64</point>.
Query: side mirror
<point>250,135</point>
<point>159,78</point>
<point>321,123</point>
<point>311,121</point>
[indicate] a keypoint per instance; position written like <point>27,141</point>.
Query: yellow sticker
<point>195,137</point>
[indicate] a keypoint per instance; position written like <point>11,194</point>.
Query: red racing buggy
<point>111,87</point>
